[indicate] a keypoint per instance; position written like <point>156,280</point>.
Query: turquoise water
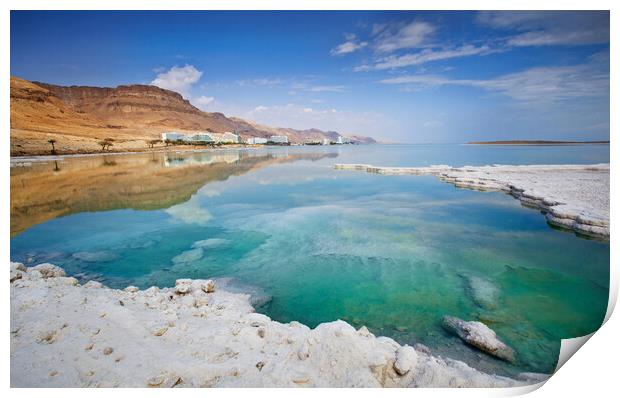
<point>313,244</point>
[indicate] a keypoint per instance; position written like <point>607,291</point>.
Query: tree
<point>152,143</point>
<point>106,143</point>
<point>52,141</point>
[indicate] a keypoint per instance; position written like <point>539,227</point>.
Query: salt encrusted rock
<point>183,286</point>
<point>131,289</point>
<point>93,285</point>
<point>71,281</point>
<point>256,319</point>
<point>574,197</point>
<point>159,330</point>
<point>364,331</point>
<point>406,360</point>
<point>480,336</point>
<point>304,351</point>
<point>18,267</point>
<point>208,286</point>
<point>48,270</point>
<point>214,345</point>
<point>35,274</point>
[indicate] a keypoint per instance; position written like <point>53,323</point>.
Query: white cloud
<point>424,56</point>
<point>179,79</point>
<point>411,35</point>
<point>535,85</point>
<point>203,102</point>
<point>332,89</point>
<point>349,46</point>
<point>541,28</point>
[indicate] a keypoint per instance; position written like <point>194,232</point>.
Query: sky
<point>399,76</point>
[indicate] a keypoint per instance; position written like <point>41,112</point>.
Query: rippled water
<point>314,244</point>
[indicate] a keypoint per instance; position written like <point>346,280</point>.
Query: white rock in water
<point>188,256</point>
<point>210,243</point>
<point>103,256</point>
<point>48,270</point>
<point>480,336</point>
<point>131,289</point>
<point>406,360</point>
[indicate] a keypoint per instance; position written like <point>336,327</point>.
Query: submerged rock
<point>480,336</point>
<point>188,256</point>
<point>103,256</point>
<point>210,243</point>
<point>484,293</point>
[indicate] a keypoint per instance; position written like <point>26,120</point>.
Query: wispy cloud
<point>301,116</point>
<point>350,45</point>
<point>424,56</point>
<point>402,36</point>
<point>535,85</point>
<point>179,79</point>
<point>299,86</point>
<point>543,28</point>
<point>261,81</point>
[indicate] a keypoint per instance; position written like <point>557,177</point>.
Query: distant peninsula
<point>535,142</point>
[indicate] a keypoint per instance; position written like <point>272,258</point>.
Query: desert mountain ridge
<point>78,117</point>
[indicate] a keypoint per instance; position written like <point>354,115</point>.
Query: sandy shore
<point>197,335</point>
<point>574,197</point>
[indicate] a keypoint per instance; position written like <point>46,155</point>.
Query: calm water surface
<point>314,244</point>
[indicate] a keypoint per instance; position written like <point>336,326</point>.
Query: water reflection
<point>43,191</point>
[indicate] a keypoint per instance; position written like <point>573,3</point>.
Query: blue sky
<point>397,76</point>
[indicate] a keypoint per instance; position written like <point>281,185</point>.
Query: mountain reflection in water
<point>42,191</point>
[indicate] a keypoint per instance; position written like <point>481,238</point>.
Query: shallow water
<point>314,244</point>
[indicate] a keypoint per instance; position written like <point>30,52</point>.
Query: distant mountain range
<point>78,117</point>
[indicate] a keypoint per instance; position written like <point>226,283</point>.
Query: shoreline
<point>195,334</point>
<point>45,158</point>
<point>572,197</point>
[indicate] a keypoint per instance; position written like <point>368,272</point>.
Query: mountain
<point>78,117</point>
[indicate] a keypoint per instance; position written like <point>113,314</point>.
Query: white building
<point>200,138</point>
<point>172,136</point>
<point>257,140</point>
<point>326,141</point>
<point>230,138</point>
<point>279,139</point>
